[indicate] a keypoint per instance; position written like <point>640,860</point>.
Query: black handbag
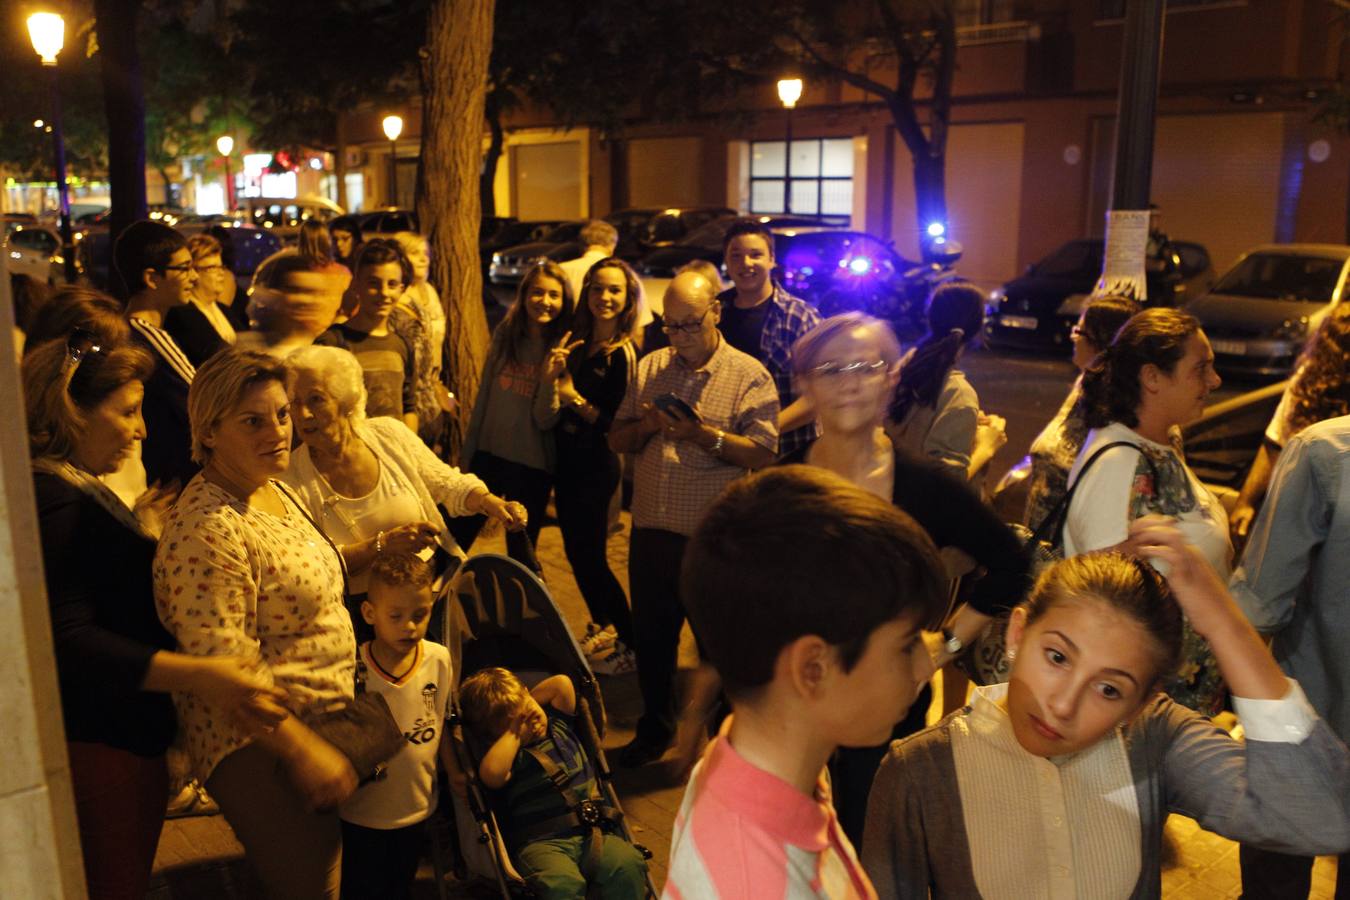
<point>986,661</point>
<point>364,730</point>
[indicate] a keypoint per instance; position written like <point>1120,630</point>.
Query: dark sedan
<point>705,243</point>
<point>1038,309</point>
<point>839,270</point>
<point>562,242</point>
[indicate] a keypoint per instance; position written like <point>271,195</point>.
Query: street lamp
<point>393,127</point>
<point>789,91</point>
<point>48,34</point>
<point>225,144</point>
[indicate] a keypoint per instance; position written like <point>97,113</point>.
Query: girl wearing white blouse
<point>1058,783</point>
<point>1154,377</point>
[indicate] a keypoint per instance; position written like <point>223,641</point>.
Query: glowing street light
<point>789,91</point>
<point>393,127</point>
<point>225,144</point>
<point>47,31</point>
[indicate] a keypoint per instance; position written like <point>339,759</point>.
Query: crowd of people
<point>248,514</point>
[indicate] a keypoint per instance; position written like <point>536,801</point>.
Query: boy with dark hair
<point>556,822</point>
<point>762,319</point>
<point>382,273</point>
<point>382,821</point>
<point>156,267</point>
<point>808,595</point>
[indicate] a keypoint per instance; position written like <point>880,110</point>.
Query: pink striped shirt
<point>744,833</point>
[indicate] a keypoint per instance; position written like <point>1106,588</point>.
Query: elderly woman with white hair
<point>371,484</point>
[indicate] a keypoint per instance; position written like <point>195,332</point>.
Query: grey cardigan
<point>1290,798</point>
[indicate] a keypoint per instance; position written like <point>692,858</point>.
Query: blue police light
<point>806,271</point>
<point>936,230</point>
<point>860,265</point>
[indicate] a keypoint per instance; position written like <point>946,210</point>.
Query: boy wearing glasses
<point>699,414</point>
<point>156,268</point>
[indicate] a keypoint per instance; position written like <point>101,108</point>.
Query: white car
<point>35,251</point>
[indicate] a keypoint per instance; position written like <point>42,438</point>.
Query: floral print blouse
<point>1052,456</point>
<point>230,579</point>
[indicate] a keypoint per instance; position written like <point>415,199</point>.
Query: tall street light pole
<point>48,34</point>
<point>789,91</point>
<point>225,144</point>
<point>393,127</point>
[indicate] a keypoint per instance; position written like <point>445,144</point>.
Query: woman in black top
<point>114,661</point>
<point>588,378</point>
<point>848,366</point>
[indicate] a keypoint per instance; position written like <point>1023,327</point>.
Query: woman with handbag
<point>1154,377</point>
<point>241,569</point>
<point>847,367</point>
<point>115,663</point>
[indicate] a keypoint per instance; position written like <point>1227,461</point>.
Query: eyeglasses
<point>693,327</point>
<point>864,369</point>
<point>1076,331</point>
<point>180,269</point>
<point>203,270</point>
<point>80,344</point>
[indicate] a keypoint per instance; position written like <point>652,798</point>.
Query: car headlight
<point>496,259</point>
<point>1291,329</point>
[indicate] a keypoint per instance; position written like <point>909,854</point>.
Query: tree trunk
<point>930,194</point>
<point>124,102</point>
<point>487,181</point>
<point>454,82</point>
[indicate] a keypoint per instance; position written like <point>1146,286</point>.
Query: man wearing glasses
<point>156,268</point>
<point>699,414</point>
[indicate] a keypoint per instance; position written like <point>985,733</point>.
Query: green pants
<point>553,868</point>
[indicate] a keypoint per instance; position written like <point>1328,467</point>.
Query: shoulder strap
<point>286,491</point>
<point>1048,530</point>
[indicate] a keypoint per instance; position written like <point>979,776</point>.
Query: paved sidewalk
<point>199,859</point>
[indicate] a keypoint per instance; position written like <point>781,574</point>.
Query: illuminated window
<point>821,174</point>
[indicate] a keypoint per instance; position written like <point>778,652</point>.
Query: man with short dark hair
<point>699,414</point>
<point>762,319</point>
<point>155,264</point>
<point>600,239</point>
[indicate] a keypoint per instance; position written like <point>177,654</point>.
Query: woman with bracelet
<point>241,570</point>
<point>115,663</point>
<point>371,484</point>
<point>586,380</point>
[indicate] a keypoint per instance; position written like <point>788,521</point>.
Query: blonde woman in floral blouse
<point>1154,377</point>
<point>241,570</point>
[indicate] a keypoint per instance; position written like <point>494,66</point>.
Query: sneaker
<point>619,661</point>
<point>597,640</point>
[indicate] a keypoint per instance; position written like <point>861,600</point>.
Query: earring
<point>1012,655</point>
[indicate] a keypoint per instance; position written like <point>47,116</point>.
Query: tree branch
<point>862,82</point>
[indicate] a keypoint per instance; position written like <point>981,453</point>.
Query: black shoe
<point>641,751</point>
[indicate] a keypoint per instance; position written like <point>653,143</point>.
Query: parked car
<point>10,222</point>
<point>1038,309</point>
<point>840,270</point>
<point>1259,314</point>
<point>249,245</point>
<point>508,233</point>
<point>705,242</point>
<point>283,215</point>
<point>35,251</point>
<point>560,243</point>
<point>387,221</point>
<point>644,230</point>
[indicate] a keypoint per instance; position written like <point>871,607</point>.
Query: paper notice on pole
<point>1123,260</point>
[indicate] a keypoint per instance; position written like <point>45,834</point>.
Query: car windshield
<point>565,232</point>
<point>1282,276</point>
<point>1074,258</point>
<point>708,235</point>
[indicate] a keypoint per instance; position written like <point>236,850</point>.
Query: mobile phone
<point>669,403</point>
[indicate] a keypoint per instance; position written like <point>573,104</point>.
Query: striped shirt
<point>165,347</point>
<point>677,480</point>
<point>743,832</point>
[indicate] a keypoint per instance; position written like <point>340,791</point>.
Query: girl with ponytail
<point>935,412</point>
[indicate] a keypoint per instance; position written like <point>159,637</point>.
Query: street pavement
<point>200,859</point>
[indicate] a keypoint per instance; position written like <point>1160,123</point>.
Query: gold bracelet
<point>379,543</point>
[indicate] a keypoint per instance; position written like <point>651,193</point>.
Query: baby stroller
<point>500,614</point>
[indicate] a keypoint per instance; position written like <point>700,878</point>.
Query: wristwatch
<point>951,643</point>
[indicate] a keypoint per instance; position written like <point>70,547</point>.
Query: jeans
<point>552,867</point>
<point>1267,875</point>
<point>585,484</point>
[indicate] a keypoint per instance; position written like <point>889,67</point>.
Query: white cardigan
<point>394,444</point>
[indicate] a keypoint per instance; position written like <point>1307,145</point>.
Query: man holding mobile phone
<point>699,414</point>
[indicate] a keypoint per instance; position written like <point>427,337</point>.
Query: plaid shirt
<point>676,481</point>
<point>788,318</point>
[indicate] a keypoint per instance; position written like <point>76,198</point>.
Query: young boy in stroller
<point>562,833</point>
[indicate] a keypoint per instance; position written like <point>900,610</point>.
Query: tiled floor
<point>200,859</point>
